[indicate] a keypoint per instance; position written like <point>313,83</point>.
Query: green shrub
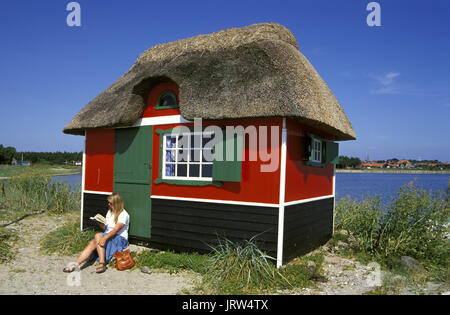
<point>67,240</point>
<point>32,193</point>
<point>361,219</point>
<point>414,224</point>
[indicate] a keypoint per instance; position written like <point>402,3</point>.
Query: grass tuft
<point>67,240</point>
<point>242,268</point>
<point>6,238</point>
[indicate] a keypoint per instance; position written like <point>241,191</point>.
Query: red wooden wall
<point>99,166</point>
<point>254,187</point>
<point>303,181</point>
<point>153,96</point>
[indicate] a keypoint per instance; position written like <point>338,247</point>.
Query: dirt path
<point>344,276</point>
<point>33,273</point>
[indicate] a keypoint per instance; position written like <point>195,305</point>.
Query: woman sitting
<point>114,239</point>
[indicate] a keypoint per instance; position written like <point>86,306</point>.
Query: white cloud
<point>386,83</point>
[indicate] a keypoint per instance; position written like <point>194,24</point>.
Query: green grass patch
<point>37,169</point>
<point>33,193</point>
<point>174,262</point>
<point>67,240</point>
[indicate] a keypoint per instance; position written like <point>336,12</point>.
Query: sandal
<point>101,268</point>
<point>70,268</point>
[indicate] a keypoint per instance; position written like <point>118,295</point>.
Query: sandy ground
<point>33,273</point>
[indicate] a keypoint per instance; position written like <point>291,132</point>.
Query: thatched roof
<point>254,71</point>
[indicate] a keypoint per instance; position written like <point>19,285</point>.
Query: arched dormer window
<point>167,99</point>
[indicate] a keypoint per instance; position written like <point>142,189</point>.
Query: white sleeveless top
<point>123,218</point>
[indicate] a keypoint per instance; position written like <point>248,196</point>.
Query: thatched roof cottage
<point>252,77</point>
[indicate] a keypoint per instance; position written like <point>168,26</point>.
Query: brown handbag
<point>124,260</point>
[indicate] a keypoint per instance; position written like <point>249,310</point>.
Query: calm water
<point>356,185</point>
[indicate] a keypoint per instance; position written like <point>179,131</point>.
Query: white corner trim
<point>83,170</point>
<point>334,193</point>
<point>282,195</point>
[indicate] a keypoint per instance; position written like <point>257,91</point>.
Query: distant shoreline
<point>391,171</point>
<point>51,175</point>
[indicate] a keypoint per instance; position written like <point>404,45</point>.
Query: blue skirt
<point>115,244</point>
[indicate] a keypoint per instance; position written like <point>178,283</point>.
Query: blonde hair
<point>116,205</point>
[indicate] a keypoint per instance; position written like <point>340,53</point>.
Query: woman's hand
<point>105,238</point>
<point>102,226</point>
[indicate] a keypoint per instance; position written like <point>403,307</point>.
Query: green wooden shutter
<point>332,153</point>
<point>228,171</point>
<point>309,148</point>
<point>324,152</point>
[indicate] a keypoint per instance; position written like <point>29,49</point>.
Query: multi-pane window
<point>317,150</point>
<point>187,156</point>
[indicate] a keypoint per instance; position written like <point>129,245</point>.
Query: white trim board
<point>282,196</point>
<point>97,192</point>
<point>243,203</point>
<point>160,120</point>
<point>232,202</point>
<point>83,171</point>
<point>290,203</point>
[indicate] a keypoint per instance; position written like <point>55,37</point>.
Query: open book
<point>99,218</point>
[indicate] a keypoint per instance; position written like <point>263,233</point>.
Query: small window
<point>185,157</point>
<point>320,152</point>
<point>167,99</point>
<point>317,150</point>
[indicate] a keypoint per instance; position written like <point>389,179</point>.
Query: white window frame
<point>316,150</point>
<point>188,162</point>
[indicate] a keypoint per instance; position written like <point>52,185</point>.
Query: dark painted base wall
<point>193,226</point>
<point>93,204</point>
<point>306,227</point>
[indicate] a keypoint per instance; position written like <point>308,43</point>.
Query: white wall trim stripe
<point>290,203</point>
<point>97,192</point>
<point>160,120</point>
<point>258,204</point>
<point>243,203</point>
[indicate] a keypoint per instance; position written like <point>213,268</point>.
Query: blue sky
<point>392,81</point>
